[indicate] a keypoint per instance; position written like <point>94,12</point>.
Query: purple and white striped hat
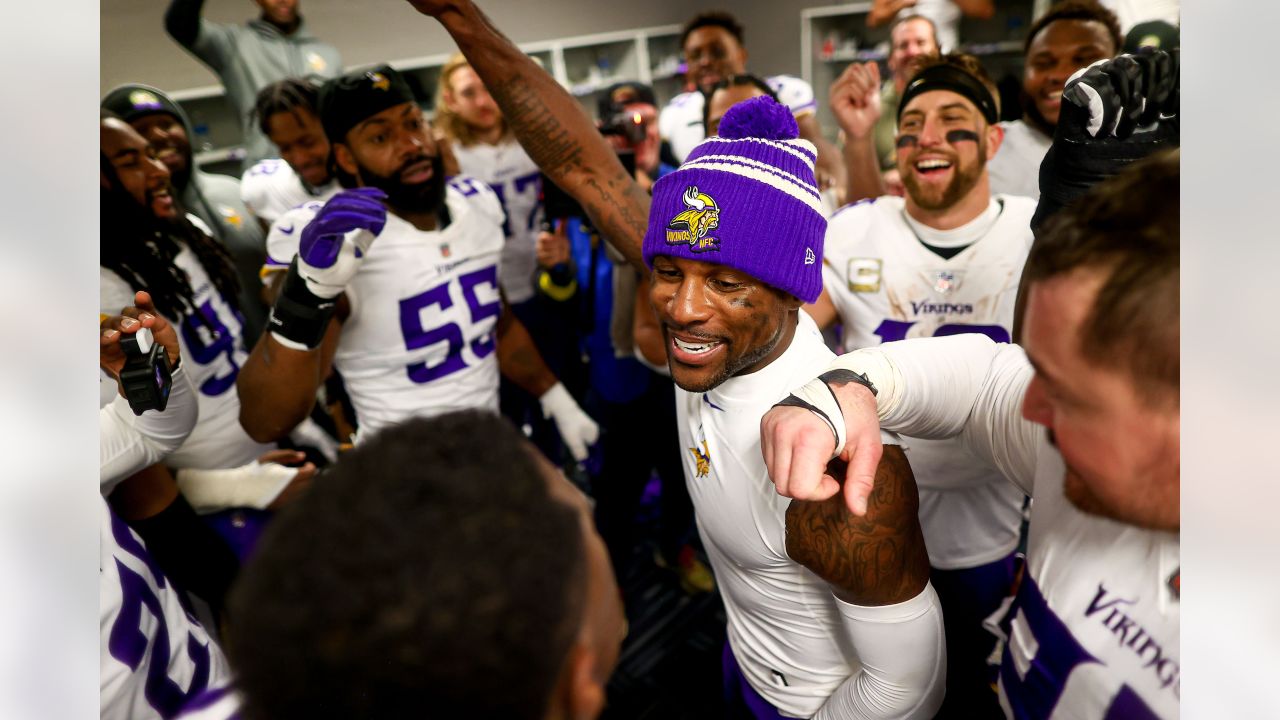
<point>747,199</point>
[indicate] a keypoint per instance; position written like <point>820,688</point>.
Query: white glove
<point>577,429</point>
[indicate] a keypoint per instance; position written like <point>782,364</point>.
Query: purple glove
<point>332,244</point>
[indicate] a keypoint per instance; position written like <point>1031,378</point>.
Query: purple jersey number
<point>128,642</point>
<point>416,335</point>
<point>223,343</point>
<point>1035,688</point>
<point>895,330</point>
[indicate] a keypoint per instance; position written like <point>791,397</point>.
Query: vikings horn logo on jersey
<point>701,460</point>
<point>701,215</point>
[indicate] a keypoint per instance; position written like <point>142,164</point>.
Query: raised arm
<point>551,126</point>
<point>855,101</point>
<point>182,21</point>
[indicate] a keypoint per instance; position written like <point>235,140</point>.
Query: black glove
<point>1114,112</point>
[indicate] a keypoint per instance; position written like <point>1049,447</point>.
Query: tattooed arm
<point>875,559</point>
<point>551,126</point>
<point>878,569</point>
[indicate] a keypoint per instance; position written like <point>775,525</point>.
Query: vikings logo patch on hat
<point>701,216</point>
<point>379,80</point>
<point>145,100</point>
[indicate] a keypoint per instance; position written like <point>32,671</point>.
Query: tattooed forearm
<point>877,559</point>
<point>556,132</point>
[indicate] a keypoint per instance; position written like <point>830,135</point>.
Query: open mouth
<point>690,350</point>
<point>932,166</point>
<point>162,203</point>
<point>417,172</point>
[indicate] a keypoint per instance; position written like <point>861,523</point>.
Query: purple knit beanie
<point>747,199</point>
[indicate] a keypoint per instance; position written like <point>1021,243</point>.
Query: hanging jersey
<point>783,623</point>
<point>271,188</point>
<point>886,286</point>
<point>516,180</point>
<point>420,338</point>
<point>212,345</point>
<point>680,122</point>
<point>154,656</point>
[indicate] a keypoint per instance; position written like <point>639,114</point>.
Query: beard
<point>732,366</point>
<point>424,197</point>
<point>962,182</point>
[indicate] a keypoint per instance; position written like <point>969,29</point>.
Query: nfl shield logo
<point>944,281</point>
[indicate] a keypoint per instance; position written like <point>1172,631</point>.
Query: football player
<point>1093,629</point>
<point>414,322</point>
<point>735,237</point>
<point>286,114</point>
<point>943,260</point>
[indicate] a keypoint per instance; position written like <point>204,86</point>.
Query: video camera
<point>146,377</point>
<point>628,125</point>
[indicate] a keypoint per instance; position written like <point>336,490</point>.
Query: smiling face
<point>168,137</point>
<point>393,150</point>
<point>140,174</point>
<point>712,54</point>
<point>302,143</point>
<point>1120,448</point>
<point>939,166</point>
<point>911,39</point>
<point>717,321</point>
<point>1057,51</point>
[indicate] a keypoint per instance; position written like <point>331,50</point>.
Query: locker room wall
<point>135,48</point>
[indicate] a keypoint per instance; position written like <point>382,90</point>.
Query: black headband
<point>947,77</point>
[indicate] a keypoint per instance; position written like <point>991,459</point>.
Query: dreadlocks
<point>141,249</point>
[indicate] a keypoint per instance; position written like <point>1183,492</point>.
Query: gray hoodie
<point>251,56</point>
<point>215,199</point>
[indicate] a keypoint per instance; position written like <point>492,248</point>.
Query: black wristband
<point>848,376</point>
<point>793,401</point>
<point>300,315</point>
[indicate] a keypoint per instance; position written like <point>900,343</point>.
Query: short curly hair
<point>1082,10</point>
<point>430,571</point>
<point>714,18</point>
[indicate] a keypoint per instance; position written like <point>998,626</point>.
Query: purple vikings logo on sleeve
<point>701,215</point>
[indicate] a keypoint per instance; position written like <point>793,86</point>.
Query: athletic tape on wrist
<point>254,485</point>
<point>299,317</point>
<point>817,397</point>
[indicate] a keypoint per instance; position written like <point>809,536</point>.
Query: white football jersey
<point>784,625</point>
<point>887,286</point>
<point>271,188</point>
<point>680,122</point>
<point>1093,630</point>
<point>212,345</point>
<point>516,180</point>
<point>1015,170</point>
<point>154,656</point>
<point>420,339</point>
